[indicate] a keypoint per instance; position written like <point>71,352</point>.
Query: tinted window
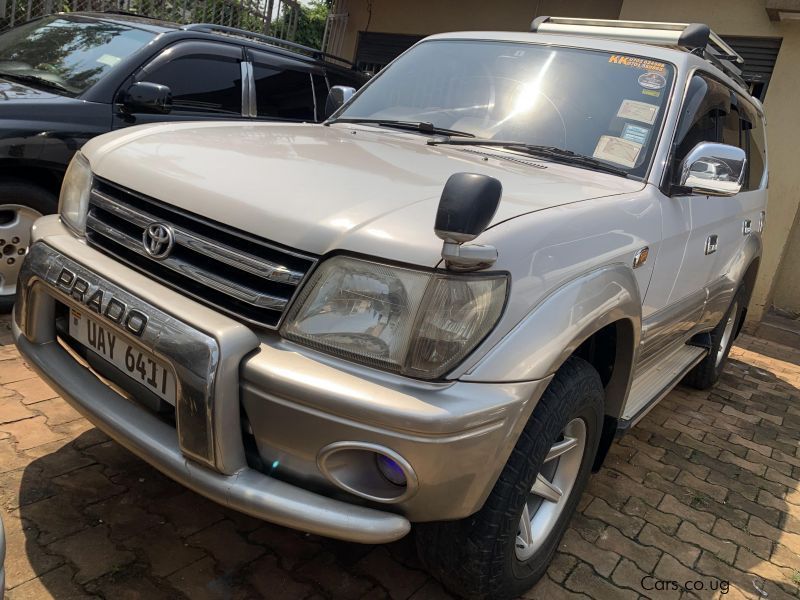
<point>201,82</point>
<point>321,94</point>
<point>282,92</point>
<point>756,143</point>
<point>706,101</point>
<point>67,53</point>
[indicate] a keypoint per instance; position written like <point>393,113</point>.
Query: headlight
<point>412,322</point>
<point>73,203</point>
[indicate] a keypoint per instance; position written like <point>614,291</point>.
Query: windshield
<point>67,53</point>
<point>597,104</point>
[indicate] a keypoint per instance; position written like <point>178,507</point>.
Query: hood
<point>317,188</point>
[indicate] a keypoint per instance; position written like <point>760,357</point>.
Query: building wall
<point>425,18</point>
<point>748,17</point>
<point>786,294</point>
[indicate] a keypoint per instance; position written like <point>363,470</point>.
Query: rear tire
<point>489,555</point>
<point>21,203</point>
<point>706,373</point>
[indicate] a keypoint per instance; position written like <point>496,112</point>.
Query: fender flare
<point>554,328</point>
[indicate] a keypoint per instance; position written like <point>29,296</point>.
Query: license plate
<point>139,365</point>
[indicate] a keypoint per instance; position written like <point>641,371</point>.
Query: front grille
<point>251,279</point>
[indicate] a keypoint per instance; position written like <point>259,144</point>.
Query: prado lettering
<point>134,321</point>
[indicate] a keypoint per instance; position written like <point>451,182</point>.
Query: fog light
<point>391,470</point>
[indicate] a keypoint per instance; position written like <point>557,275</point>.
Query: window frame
<point>188,47</point>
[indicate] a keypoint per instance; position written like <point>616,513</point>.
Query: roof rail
<point>696,38</point>
<point>267,39</point>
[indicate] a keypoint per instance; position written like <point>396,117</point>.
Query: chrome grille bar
<point>220,284</point>
<point>251,279</point>
<point>198,243</point>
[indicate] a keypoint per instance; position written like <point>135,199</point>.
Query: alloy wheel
<point>16,221</point>
<point>551,489</point>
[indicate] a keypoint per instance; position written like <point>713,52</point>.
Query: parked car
<point>66,78</point>
<point>439,307</point>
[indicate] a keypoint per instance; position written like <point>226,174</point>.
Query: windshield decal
<point>638,111</point>
<point>652,80</point>
<point>635,133</point>
<point>617,150</point>
<point>645,64</point>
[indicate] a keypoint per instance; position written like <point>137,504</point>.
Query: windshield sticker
<point>653,93</point>
<point>109,59</point>
<point>637,63</point>
<point>638,111</point>
<point>652,81</point>
<point>635,133</point>
<point>617,150</point>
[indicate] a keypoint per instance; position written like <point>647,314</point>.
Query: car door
<point>284,88</point>
<point>675,299</point>
<point>205,79</point>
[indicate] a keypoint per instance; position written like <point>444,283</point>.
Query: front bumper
<point>457,436</point>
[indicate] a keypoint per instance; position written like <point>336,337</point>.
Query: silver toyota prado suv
<point>439,307</point>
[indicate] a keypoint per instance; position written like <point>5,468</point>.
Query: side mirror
<point>713,169</point>
<point>338,97</point>
<point>469,202</point>
<point>147,97</point>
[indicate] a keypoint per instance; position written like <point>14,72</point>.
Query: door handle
<point>747,226</point>
<point>711,244</point>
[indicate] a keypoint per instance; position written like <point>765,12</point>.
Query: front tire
<point>21,203</point>
<point>504,549</point>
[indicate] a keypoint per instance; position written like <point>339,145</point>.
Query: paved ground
<point>704,491</point>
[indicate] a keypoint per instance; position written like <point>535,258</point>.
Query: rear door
<point>205,79</point>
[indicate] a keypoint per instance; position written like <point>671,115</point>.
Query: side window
<point>755,144</point>
<point>321,94</point>
<point>707,103</point>
<point>203,77</point>
<point>283,91</point>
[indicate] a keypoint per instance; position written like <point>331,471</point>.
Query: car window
<point>755,144</point>
<point>712,112</point>
<point>283,91</point>
<point>321,94</point>
<point>706,101</point>
<point>600,104</point>
<point>203,77</point>
<point>68,53</point>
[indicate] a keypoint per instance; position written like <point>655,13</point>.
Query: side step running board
<point>655,383</point>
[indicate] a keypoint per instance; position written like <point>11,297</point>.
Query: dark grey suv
<point>66,78</point>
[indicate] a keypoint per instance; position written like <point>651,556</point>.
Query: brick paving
<point>704,490</point>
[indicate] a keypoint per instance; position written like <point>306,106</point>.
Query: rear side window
<point>282,90</point>
<point>754,144</point>
<point>203,77</point>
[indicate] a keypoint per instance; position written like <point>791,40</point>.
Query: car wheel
<point>706,373</point>
<point>20,205</point>
<point>505,548</point>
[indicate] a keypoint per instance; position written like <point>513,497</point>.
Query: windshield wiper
<point>37,80</point>
<point>548,152</point>
<point>421,126</point>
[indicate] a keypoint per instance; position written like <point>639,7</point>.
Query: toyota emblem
<point>158,240</point>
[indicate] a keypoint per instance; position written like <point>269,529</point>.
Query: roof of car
<point>240,36</point>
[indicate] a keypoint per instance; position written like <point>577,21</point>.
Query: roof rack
<point>267,39</point>
<point>696,38</point>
